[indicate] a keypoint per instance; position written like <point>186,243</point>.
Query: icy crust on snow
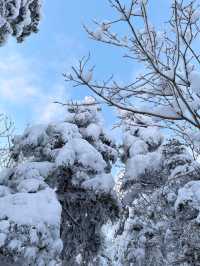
<point>19,18</point>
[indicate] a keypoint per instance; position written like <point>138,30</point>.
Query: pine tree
<point>159,223</point>
<point>141,154</point>
<point>72,157</point>
<point>18,18</point>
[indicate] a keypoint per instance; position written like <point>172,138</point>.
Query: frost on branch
<point>167,90</point>
<point>19,18</point>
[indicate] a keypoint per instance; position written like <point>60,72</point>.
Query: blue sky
<point>31,73</point>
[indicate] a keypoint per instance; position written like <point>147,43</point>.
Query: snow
<point>57,247</point>
<point>79,259</point>
<point>87,155</point>
<point>80,151</point>
<point>129,139</point>
<point>100,183</point>
<point>37,170</point>
<point>15,244</point>
<point>4,191</point>
<point>93,131</point>
<point>68,131</point>
<point>4,174</point>
<point>66,156</point>
<point>195,81</point>
<point>151,136</point>
<point>137,165</point>
<point>138,147</point>
<point>195,16</point>
<point>35,135</point>
<point>31,185</point>
<point>2,239</point>
<point>31,208</point>
<point>4,226</point>
<point>89,75</point>
<point>189,195</point>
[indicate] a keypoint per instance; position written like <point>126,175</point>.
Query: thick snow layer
<point>80,151</point>
<point>66,156</point>
<point>31,185</point>
<point>139,147</point>
<point>87,155</point>
<point>129,139</point>
<point>31,208</point>
<point>68,131</point>
<point>4,191</point>
<point>137,165</point>
<point>151,136</point>
<point>100,183</point>
<point>37,170</point>
<point>189,195</point>
<point>93,131</point>
<point>30,228</point>
<point>34,136</point>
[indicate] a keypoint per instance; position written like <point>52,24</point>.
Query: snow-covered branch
<point>169,88</point>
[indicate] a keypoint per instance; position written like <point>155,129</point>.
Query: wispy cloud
<point>23,86</point>
<point>16,80</point>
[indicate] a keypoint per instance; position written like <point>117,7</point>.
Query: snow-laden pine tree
<point>141,154</point>
<point>19,18</point>
<point>71,158</point>
<point>160,222</point>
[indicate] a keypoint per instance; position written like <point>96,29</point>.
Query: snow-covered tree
<point>65,157</point>
<point>142,155</point>
<point>159,224</point>
<point>19,18</point>
<point>6,134</point>
<point>168,87</point>
<point>86,115</point>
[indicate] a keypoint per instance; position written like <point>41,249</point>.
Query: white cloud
<point>49,110</point>
<point>17,80</point>
<point>22,84</point>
